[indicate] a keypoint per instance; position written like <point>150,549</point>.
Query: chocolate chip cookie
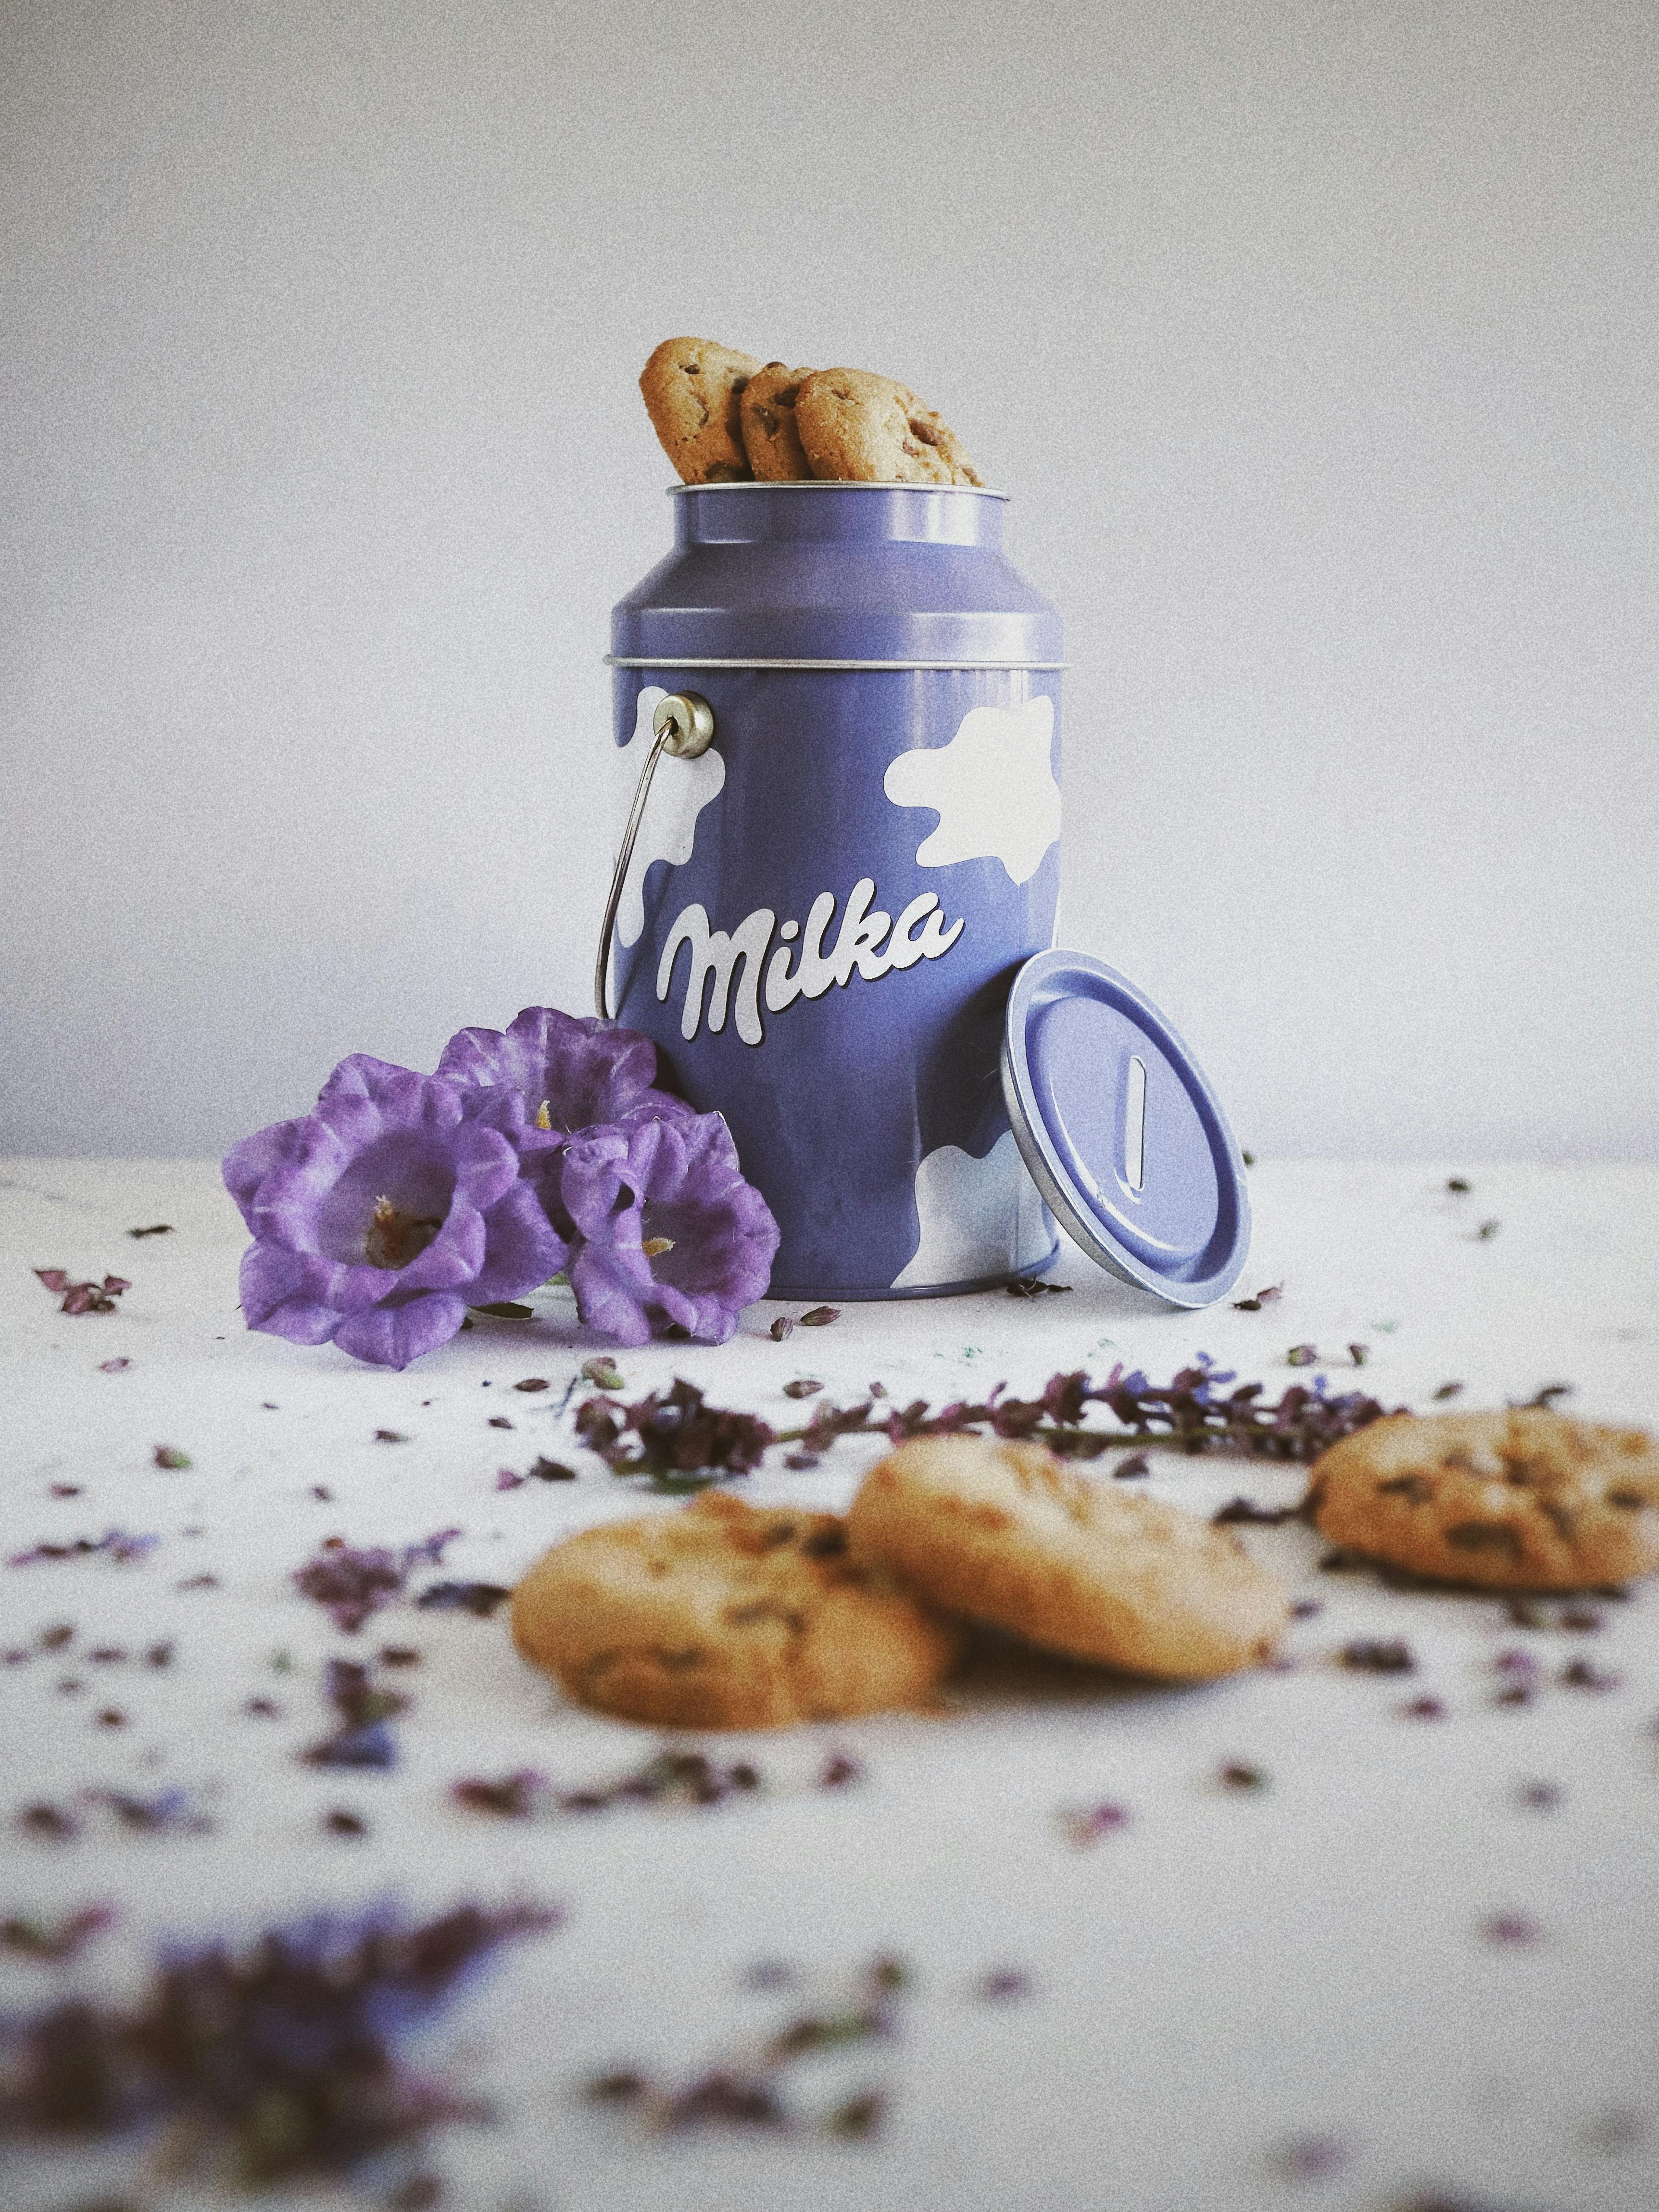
<point>1008,1534</point>
<point>1520,1500</point>
<point>862,429</point>
<point>693,389</point>
<point>767,411</point>
<point>722,1616</point>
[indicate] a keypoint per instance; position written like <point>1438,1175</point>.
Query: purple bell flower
<point>565,1074</point>
<point>386,1211</point>
<point>667,1229</point>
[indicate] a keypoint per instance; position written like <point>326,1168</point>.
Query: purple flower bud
<point>564,1073</point>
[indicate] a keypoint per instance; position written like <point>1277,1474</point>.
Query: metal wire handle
<point>684,726</point>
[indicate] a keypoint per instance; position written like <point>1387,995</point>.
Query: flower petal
<point>391,1336</point>
<point>612,1296</point>
<point>247,1164</point>
<point>676,1185</point>
<point>584,1072</point>
<point>300,1321</point>
<point>523,1249</point>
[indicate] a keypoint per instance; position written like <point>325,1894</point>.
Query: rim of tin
<point>833,483</point>
<point>1039,667</point>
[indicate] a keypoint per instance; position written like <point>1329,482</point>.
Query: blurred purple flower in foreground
<point>382,1214</point>
<point>284,2058</point>
<point>667,1231</point>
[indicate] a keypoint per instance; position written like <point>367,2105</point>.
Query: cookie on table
<point>862,429</point>
<point>767,412</point>
<point>692,390</point>
<point>1522,1500</point>
<point>1008,1534</point>
<point>725,1616</point>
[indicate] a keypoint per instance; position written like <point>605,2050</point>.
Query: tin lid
<point>1120,1132</point>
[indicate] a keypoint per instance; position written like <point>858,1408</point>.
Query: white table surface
<point>1228,1975</point>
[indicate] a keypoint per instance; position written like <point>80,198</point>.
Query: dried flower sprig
<point>684,1443</point>
<point>281,2060</point>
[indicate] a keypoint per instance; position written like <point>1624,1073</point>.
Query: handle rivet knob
<point>685,724</point>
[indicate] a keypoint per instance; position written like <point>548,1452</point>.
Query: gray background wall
<point>1314,342</point>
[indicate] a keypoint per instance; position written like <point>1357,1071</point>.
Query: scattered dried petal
<point>820,1316</point>
<point>49,1823</point>
<point>115,1542</point>
<point>1302,1355</point>
<point>781,1328</point>
<point>351,1582</point>
<point>1086,1825</point>
<point>479,1598</point>
<point>1239,1774</point>
<point>1513,1928</point>
<point>56,1942</point>
<point>514,1797</point>
<point>803,1387</point>
<point>1308,2157</point>
<point>1003,1986</point>
<point>82,1298</point>
<point>1378,1655</point>
<point>170,1456</point>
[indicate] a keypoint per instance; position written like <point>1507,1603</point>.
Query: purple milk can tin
<point>832,889</point>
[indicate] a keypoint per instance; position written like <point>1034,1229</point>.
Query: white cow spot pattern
<point>978,1217</point>
<point>993,787</point>
<point>679,791</point>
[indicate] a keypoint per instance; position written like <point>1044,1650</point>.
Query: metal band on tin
<point>830,484</point>
<point>618,660</point>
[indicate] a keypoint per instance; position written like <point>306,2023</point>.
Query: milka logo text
<point>863,944</point>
